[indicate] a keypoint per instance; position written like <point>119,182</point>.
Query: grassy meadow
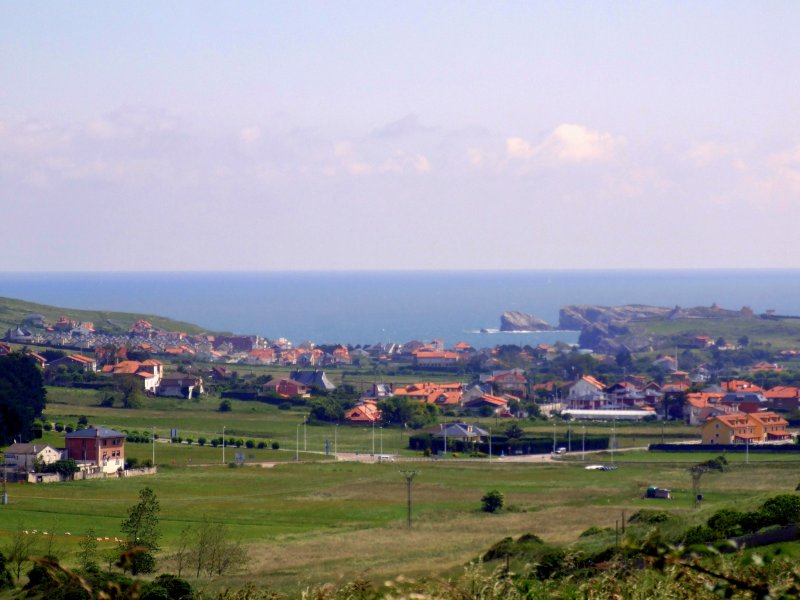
<point>319,520</point>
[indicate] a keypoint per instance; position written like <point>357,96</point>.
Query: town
<point>415,384</point>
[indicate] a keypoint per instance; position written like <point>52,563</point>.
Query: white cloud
<point>567,143</point>
<point>250,135</point>
<point>517,147</point>
<point>704,153</point>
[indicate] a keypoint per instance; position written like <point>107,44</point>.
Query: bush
<point>501,549</point>
<point>132,463</point>
<point>189,441</point>
<point>59,427</point>
<point>650,517</point>
<point>83,420</point>
<point>781,510</point>
<point>202,441</point>
<point>239,443</point>
<point>225,406</point>
<point>176,588</point>
<point>250,444</point>
<point>492,501</point>
<point>276,446</point>
<point>214,442</point>
<point>48,426</point>
<point>700,534</point>
<point>594,530</point>
<point>727,523</point>
<point>285,406</point>
<point>262,445</point>
<point>69,428</point>
<point>147,463</point>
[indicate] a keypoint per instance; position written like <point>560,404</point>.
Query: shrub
<point>59,427</point>
<point>594,530</point>
<point>69,428</point>
<point>214,442</point>
<point>781,510</point>
<point>201,440</point>
<point>132,463</point>
<point>501,549</point>
<point>147,463</point>
<point>276,446</point>
<point>285,406</point>
<point>176,588</point>
<point>262,445</point>
<point>225,406</point>
<point>650,517</point>
<point>83,420</point>
<point>700,534</point>
<point>189,441</point>
<point>48,426</point>
<point>492,501</point>
<point>250,444</point>
<point>239,443</point>
<point>727,523</point>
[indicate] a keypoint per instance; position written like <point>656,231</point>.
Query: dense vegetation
<point>22,397</point>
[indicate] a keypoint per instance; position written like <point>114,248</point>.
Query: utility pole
<point>4,497</point>
<point>154,446</point>
<point>409,475</point>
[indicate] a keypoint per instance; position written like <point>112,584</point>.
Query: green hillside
<point>13,311</point>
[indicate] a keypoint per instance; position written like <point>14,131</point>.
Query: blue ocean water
<point>369,307</point>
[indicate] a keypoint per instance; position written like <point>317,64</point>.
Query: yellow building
<point>739,428</point>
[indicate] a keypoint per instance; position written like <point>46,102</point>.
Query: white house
<point>24,457</point>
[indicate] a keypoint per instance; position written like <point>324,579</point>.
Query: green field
<point>317,520</point>
<point>780,334</point>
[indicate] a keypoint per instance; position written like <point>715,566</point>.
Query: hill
<point>14,311</point>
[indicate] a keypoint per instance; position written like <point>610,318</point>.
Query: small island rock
<point>517,321</point>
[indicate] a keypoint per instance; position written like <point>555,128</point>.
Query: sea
<point>367,307</point>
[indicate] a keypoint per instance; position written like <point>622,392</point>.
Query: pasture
<point>319,520</point>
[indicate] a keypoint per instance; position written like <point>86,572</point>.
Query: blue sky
<point>403,135</point>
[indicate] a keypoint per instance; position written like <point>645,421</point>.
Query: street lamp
<point>583,445</point>
<point>223,444</point>
<point>297,443</point>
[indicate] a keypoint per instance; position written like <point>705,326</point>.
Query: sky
<point>374,135</point>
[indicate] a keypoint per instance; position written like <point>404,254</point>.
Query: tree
<point>130,389</point>
<point>141,530</point>
<point>514,431</point>
<point>213,551</point>
<point>22,397</point>
<point>492,501</point>
<point>87,553</point>
<point>20,549</point>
